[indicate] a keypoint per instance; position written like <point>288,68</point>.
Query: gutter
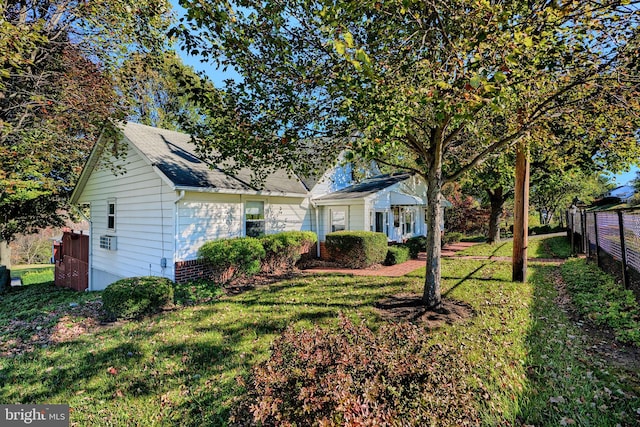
<point>238,191</point>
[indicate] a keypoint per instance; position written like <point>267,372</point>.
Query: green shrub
<point>230,258</point>
<point>396,255</point>
<point>357,249</point>
<point>137,296</point>
<point>452,237</point>
<point>357,377</point>
<point>200,291</point>
<point>284,250</point>
<point>598,297</point>
<point>416,245</point>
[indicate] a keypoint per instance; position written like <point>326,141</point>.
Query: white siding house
<point>152,216</point>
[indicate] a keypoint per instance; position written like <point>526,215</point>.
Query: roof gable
<point>173,155</point>
<point>367,187</point>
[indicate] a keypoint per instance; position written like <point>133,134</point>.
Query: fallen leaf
<point>556,399</point>
<point>567,421</point>
<point>111,370</point>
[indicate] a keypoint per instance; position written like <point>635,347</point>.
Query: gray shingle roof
<point>367,187</point>
<point>175,156</point>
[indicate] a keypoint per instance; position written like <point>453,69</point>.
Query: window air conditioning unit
<point>108,243</point>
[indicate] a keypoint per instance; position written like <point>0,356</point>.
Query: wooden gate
<point>72,261</point>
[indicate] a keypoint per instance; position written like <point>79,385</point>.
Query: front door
<point>380,222</point>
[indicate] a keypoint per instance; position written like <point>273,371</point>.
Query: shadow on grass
<point>565,385</point>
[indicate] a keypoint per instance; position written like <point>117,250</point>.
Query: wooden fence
<point>71,257</point>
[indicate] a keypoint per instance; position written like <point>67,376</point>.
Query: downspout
<point>175,227</point>
<point>90,260</point>
<point>315,210</point>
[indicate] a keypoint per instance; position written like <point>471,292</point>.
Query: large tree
<point>415,84</point>
<point>57,93</point>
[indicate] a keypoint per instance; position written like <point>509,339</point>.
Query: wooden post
<point>521,214</point>
<point>595,227</point>
<point>623,250</point>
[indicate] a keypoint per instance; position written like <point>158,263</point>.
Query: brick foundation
<point>324,255</point>
<point>188,271</point>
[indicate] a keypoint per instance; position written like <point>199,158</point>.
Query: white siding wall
<point>355,218</point>
<point>144,222</point>
<point>202,217</point>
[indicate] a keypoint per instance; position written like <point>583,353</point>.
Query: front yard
<point>531,364</point>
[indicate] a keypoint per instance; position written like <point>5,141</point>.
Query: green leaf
<point>348,38</point>
<point>476,81</point>
<point>499,76</point>
<point>339,47</point>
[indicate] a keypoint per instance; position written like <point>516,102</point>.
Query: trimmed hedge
<point>416,245</point>
<point>136,297</point>
<point>357,249</point>
<point>230,258</point>
<point>453,237</point>
<point>284,250</point>
<point>397,255</point>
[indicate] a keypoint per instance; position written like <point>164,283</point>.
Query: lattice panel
<point>631,224</point>
<point>609,234</point>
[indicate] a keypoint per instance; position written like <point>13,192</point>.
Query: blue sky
<point>217,76</point>
<point>626,177</point>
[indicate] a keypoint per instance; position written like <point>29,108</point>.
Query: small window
<point>338,220</point>
<point>254,219</point>
<point>111,214</point>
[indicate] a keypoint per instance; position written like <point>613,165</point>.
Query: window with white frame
<point>111,214</point>
<point>409,221</point>
<point>338,220</point>
<point>254,218</point>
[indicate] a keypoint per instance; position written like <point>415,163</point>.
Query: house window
<point>111,214</point>
<point>338,220</point>
<point>254,219</point>
<point>395,210</point>
<point>409,221</point>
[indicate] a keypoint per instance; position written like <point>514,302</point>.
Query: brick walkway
<point>398,270</point>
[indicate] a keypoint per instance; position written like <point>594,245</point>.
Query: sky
<point>218,77</point>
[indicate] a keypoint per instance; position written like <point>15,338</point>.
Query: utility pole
<point>521,214</point>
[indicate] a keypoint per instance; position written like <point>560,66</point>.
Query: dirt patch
<point>62,325</point>
<point>243,284</point>
<point>600,340</point>
<point>410,308</point>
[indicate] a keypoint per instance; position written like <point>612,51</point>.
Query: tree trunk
<point>521,215</point>
<point>496,198</point>
<point>5,254</point>
<point>431,296</point>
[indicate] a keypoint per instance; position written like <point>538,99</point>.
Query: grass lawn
<point>539,247</point>
<point>31,274</point>
<point>529,362</point>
